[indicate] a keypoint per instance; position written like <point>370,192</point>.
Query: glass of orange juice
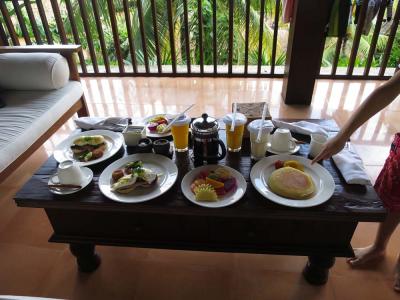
<point>234,136</point>
<point>180,133</point>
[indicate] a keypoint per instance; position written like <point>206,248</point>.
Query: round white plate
<point>87,176</point>
<point>153,134</point>
<point>164,167</point>
<point>323,180</point>
<point>114,142</point>
<point>226,200</point>
<point>270,150</point>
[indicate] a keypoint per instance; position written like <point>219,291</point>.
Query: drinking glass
<point>180,133</point>
<point>234,138</point>
<point>317,143</point>
<point>259,148</point>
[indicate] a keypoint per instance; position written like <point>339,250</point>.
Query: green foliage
<point>363,49</point>
<point>163,33</point>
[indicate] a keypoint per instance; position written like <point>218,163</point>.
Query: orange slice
<point>214,183</point>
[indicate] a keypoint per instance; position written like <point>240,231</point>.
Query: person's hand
<point>330,148</point>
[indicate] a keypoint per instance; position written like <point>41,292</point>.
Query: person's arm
<point>375,102</point>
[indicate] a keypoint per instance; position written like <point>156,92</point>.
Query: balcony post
<point>305,49</point>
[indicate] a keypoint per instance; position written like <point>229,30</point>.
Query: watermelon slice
<point>220,191</point>
<point>152,127</point>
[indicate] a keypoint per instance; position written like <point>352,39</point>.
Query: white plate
<point>270,150</point>
<point>114,142</point>
<point>153,134</point>
<point>164,167</point>
<point>87,176</point>
<point>227,199</point>
<point>323,180</point>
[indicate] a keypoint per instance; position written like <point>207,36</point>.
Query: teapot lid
<point>205,124</point>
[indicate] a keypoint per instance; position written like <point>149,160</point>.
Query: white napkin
<point>351,166</point>
<point>302,127</point>
<point>113,123</point>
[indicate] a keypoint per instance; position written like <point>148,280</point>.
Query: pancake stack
<point>291,183</point>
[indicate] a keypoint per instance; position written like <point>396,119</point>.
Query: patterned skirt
<point>387,185</point>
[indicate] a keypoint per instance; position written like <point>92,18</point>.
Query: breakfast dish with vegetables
<point>132,176</point>
<point>90,147</point>
<point>291,180</point>
<point>213,186</point>
<point>138,178</point>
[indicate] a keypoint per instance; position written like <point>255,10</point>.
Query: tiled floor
<point>29,265</point>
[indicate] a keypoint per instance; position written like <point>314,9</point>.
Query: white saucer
<point>87,176</point>
<point>270,150</point>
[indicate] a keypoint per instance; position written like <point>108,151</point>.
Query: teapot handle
<point>223,150</point>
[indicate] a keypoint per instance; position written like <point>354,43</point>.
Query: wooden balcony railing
<point>230,38</point>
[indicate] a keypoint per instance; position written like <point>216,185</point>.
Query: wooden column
<point>305,48</point>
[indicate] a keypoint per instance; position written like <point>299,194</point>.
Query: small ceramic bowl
<point>161,146</point>
<point>144,146</point>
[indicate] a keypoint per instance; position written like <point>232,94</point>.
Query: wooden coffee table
<point>252,225</point>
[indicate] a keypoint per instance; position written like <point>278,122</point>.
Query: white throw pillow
<point>33,71</point>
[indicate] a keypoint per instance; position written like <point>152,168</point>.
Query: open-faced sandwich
<point>157,124</point>
<point>212,185</point>
<point>290,181</point>
<point>89,147</point>
<point>132,176</point>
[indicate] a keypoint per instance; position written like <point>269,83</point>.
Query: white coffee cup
<point>317,143</point>
<point>69,173</point>
<point>282,140</point>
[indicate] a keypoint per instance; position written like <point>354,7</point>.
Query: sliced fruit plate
<point>155,125</point>
<point>214,186</point>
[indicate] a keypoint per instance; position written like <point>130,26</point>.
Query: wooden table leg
<point>316,271</point>
<point>86,257</point>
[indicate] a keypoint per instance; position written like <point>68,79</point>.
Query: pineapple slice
<point>205,192</point>
<point>222,173</point>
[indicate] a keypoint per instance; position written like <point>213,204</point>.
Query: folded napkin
<point>113,123</point>
<point>351,166</point>
<point>302,127</point>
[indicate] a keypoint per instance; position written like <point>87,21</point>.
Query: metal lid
<point>205,124</point>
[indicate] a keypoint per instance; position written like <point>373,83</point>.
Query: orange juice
<point>234,137</point>
<point>180,134</point>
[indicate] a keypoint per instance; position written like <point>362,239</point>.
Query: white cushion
<point>29,114</point>
<point>33,71</point>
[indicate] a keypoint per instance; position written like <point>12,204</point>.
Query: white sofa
<point>40,106</point>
